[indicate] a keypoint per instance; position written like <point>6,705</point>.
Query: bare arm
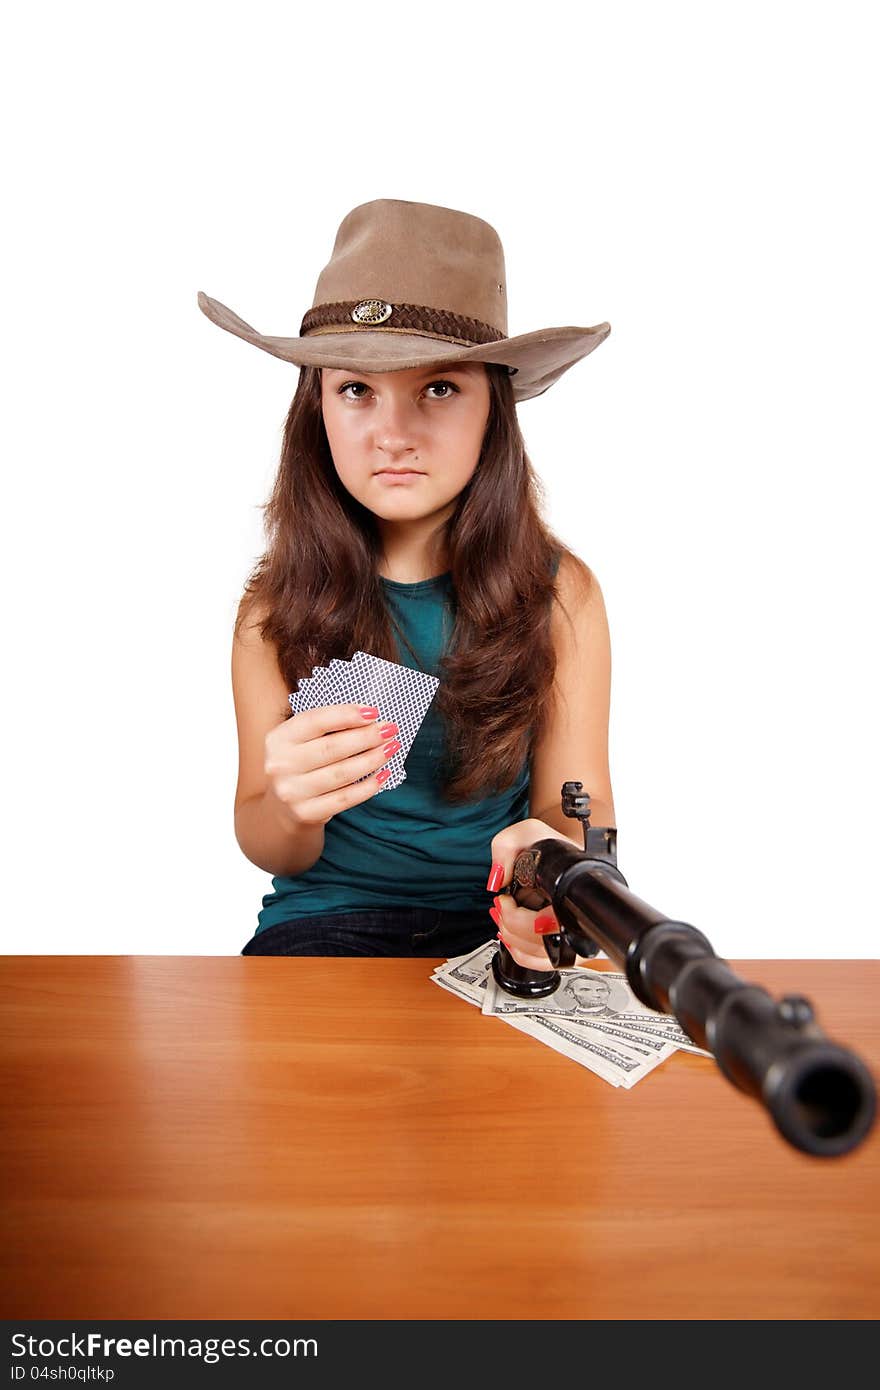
<point>574,747</point>
<point>264,829</point>
<point>267,838</point>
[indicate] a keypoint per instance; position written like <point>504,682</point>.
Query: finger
<point>320,808</point>
<point>505,846</point>
<point>304,746</point>
<point>544,923</point>
<point>516,917</point>
<point>516,930</point>
<point>338,754</point>
<point>529,958</point>
<point>511,841</point>
<point>306,783</point>
<point>324,719</point>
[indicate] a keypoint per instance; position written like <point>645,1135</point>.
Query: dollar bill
<point>582,993</point>
<point>468,975</point>
<point>593,1017</point>
<point>605,1051</point>
<point>662,1025</point>
<point>597,996</point>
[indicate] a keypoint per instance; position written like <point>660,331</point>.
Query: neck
<point>412,552</point>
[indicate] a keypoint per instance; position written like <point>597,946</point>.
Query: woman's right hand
<point>313,760</point>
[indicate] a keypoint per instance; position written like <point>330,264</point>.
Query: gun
<point>820,1095</point>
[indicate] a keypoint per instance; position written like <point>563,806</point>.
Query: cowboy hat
<point>411,285</point>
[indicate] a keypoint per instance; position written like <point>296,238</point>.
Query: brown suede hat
<point>411,285</point>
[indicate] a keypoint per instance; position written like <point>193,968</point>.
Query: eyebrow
<point>462,369</point>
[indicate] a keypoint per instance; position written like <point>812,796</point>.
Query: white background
<point>702,176</point>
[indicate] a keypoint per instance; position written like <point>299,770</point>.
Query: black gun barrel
<point>820,1095</point>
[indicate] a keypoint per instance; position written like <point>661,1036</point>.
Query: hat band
<point>372,315</point>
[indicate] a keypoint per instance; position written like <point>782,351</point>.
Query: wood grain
<point>270,1137</point>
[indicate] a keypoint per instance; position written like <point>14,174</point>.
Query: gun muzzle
<point>821,1097</point>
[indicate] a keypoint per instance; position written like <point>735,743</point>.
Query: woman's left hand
<point>520,928</point>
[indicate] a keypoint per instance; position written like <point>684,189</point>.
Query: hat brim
<point>538,359</point>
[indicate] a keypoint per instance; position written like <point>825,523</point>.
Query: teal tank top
<point>406,847</point>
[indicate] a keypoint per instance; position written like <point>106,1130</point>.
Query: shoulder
<point>249,619</point>
<point>256,673</point>
<point>578,593</point>
<point>572,744</point>
<point>259,693</point>
<point>579,626</point>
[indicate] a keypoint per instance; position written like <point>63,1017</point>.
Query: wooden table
<point>269,1137</point>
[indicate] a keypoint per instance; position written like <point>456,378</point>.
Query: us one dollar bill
<point>593,1017</point>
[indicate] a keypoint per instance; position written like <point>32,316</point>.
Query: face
<point>405,443</point>
<point>589,994</point>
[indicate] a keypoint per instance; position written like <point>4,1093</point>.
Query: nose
<point>395,426</point>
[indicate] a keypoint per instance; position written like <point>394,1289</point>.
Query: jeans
<point>398,931</point>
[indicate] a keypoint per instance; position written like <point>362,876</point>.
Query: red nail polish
<point>546,923</point>
<point>496,878</point>
<point>495,915</point>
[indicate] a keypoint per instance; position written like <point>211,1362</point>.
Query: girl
<point>405,522</point>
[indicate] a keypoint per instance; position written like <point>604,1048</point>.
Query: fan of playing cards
<point>400,694</point>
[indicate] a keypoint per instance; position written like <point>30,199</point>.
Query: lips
<point>399,473</point>
<point>398,479</point>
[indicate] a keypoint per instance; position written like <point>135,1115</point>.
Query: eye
<point>350,385</point>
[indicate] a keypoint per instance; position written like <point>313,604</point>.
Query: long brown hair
<point>320,596</point>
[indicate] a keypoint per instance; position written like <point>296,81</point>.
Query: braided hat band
<point>350,315</point>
